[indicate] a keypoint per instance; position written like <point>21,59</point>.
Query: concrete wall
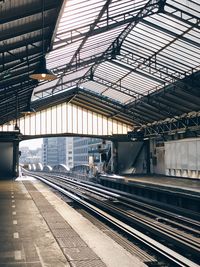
<point>6,160</point>
<point>159,167</point>
<point>127,153</point>
<point>182,158</point>
<point>179,158</point>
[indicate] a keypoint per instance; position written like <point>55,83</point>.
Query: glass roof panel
<point>158,49</point>
<point>191,6</point>
<point>93,86</point>
<point>118,96</point>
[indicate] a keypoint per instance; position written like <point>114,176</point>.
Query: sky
<point>32,144</point>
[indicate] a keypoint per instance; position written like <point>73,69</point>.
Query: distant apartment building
<point>69,152</point>
<point>86,147</point>
<point>80,150</point>
<point>58,150</point>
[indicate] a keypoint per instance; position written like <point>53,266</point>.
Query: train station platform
<point>168,182</point>
<point>162,190</point>
<point>38,228</point>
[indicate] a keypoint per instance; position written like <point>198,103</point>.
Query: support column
<point>148,160</point>
<point>9,151</point>
<point>115,157</point>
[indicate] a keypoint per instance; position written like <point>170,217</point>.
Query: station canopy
<point>135,60</point>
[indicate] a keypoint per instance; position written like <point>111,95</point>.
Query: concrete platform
<point>37,228</point>
<point>190,185</point>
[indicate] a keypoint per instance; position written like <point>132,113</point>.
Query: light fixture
<point>16,127</point>
<point>28,110</point>
<point>42,73</point>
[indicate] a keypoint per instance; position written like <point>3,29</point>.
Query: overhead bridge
<point>66,119</point>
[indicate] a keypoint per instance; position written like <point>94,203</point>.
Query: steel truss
<point>179,125</point>
<point>142,107</point>
<point>152,7</point>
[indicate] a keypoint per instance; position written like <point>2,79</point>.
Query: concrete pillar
<point>9,154</point>
<point>148,157</point>
<point>115,168</point>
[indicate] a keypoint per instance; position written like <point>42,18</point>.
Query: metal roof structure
<point>135,60</point>
<point>21,49</point>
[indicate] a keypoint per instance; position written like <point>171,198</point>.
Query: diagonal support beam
<point>182,15</point>
<point>152,7</point>
<point>92,27</point>
<point>105,24</point>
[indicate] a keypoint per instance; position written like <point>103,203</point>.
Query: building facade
<point>80,150</point>
<point>69,152</point>
<point>85,148</point>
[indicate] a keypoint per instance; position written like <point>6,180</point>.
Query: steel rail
<point>159,212</point>
<point>105,205</point>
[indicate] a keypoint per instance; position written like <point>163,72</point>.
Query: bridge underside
<point>67,119</point>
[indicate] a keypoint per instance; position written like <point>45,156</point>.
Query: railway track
<point>161,215</point>
<point>168,238</point>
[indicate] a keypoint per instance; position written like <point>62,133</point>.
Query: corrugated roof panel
<point>110,71</point>
<point>192,7</point>
<point>61,57</point>
<point>93,86</point>
<point>117,95</point>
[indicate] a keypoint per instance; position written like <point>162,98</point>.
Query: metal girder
<point>136,118</point>
<point>151,66</point>
<point>150,62</point>
<point>12,65</point>
<point>183,16</point>
<point>183,38</point>
<point>86,97</point>
<point>26,41</point>
<point>147,10</point>
<point>185,95</point>
<point>152,107</point>
<point>155,68</point>
<point>92,27</point>
<point>193,87</point>
<point>19,12</point>
<point>165,105</point>
<point>94,60</point>
<point>158,104</point>
<point>115,86</point>
<point>160,100</point>
<point>88,61</point>
<point>20,30</point>
<point>147,115</point>
<point>178,100</point>
<point>91,104</point>
<point>21,49</point>
<point>111,23</point>
<point>12,75</point>
<point>164,57</point>
<point>130,69</point>
<point>101,98</point>
<point>180,125</point>
<point>16,58</point>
